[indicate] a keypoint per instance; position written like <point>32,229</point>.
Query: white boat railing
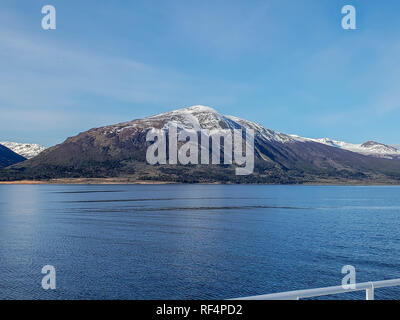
<point>369,288</point>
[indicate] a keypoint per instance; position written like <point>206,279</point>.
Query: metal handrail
<point>369,287</point>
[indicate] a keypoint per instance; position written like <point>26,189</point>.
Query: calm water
<point>194,241</point>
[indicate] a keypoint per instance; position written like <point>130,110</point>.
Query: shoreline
<point>113,181</point>
<point>78,181</point>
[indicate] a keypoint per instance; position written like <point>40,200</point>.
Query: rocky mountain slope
<point>120,150</point>
<point>8,157</point>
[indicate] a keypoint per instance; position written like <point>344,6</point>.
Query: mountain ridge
<point>9,157</point>
<point>371,148</point>
<point>120,149</point>
<point>27,150</point>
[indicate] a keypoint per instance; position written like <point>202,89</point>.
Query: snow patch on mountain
<point>27,150</point>
<point>195,117</point>
<point>261,132</point>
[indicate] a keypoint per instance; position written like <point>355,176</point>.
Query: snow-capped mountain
<point>27,150</point>
<point>120,150</point>
<point>370,148</point>
<point>203,117</point>
<point>200,117</point>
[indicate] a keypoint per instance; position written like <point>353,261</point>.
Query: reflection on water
<point>194,241</point>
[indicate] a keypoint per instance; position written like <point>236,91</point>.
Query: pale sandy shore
<point>84,181</point>
<point>143,182</point>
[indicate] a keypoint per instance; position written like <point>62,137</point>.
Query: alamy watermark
<point>348,21</point>
<point>49,280</point>
<point>49,20</point>
<point>195,147</point>
<point>349,280</point>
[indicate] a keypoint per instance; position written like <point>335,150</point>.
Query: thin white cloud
<point>38,73</point>
<point>45,84</point>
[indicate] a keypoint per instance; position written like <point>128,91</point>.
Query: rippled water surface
<point>194,241</point>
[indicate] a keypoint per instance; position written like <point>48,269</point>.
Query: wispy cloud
<point>48,84</point>
<point>39,73</point>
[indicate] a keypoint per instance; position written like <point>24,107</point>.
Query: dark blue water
<point>194,241</point>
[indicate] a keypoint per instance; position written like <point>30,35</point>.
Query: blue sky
<point>283,63</point>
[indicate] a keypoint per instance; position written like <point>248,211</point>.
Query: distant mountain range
<point>371,148</point>
<point>27,150</point>
<point>119,151</point>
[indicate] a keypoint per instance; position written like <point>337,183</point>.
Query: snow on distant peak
<point>200,108</point>
<point>27,150</point>
<point>195,117</point>
<point>192,109</point>
<point>371,148</point>
<point>379,147</point>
